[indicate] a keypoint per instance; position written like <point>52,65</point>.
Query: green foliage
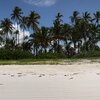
<point>14,54</point>
<point>89,54</point>
<point>51,56</point>
<point>82,34</point>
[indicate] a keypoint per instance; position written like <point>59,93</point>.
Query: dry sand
<point>50,82</point>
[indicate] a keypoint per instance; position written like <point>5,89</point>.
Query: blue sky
<point>49,8</point>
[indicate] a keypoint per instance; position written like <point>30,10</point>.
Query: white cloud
<point>41,2</point>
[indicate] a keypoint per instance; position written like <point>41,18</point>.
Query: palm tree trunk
<point>23,36</point>
<point>6,37</point>
<point>78,47</point>
<point>45,50</point>
<point>36,51</point>
<point>17,35</point>
<point>16,39</point>
<point>75,46</point>
<point>58,46</point>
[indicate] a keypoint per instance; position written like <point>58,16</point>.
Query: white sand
<point>50,82</point>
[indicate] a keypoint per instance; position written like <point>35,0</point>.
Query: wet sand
<point>50,82</point>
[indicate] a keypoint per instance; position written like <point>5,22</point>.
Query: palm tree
<point>66,36</point>
<point>84,25</point>
<point>17,16</point>
<point>1,37</point>
<point>23,25</point>
<point>7,27</point>
<point>44,38</point>
<point>93,38</point>
<point>97,17</point>
<point>32,21</point>
<point>76,36</point>
<point>16,34</point>
<point>66,32</point>
<point>57,34</point>
<point>41,40</point>
<point>87,16</point>
<point>75,18</point>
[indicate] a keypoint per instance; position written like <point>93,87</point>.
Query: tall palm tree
<point>87,16</point>
<point>66,31</point>
<point>16,32</point>
<point>7,27</point>
<point>1,37</point>
<point>57,28</point>
<point>44,38</point>
<point>97,17</point>
<point>66,36</point>
<point>41,40</point>
<point>76,36</point>
<point>75,18</point>
<point>23,25</point>
<point>84,25</point>
<point>35,42</point>
<point>17,16</point>
<point>93,38</point>
<point>32,21</point>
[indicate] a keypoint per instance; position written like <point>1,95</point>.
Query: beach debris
<point>71,78</point>
<point>98,73</point>
<point>75,73</point>
<point>40,76</point>
<point>66,75</point>
<point>12,75</point>
<point>1,84</point>
<point>19,73</point>
<point>4,74</point>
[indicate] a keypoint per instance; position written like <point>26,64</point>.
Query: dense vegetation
<point>76,39</point>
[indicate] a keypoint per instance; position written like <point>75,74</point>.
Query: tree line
<point>82,34</point>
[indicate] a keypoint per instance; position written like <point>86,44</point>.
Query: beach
<point>77,81</point>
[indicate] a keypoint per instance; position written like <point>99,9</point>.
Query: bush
<point>88,54</point>
<point>14,54</point>
<point>51,56</point>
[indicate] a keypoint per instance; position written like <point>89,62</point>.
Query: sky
<point>48,9</point>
